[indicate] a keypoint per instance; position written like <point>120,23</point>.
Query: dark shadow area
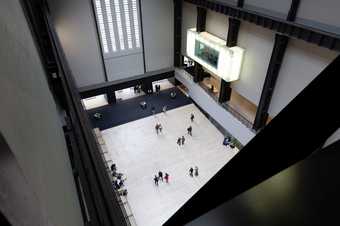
<point>304,194</point>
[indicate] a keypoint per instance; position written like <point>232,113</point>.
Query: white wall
<point>158,30</point>
<point>30,123</point>
<point>189,18</point>
<point>277,8</point>
<point>319,13</point>
<point>258,44</point>
<point>217,24</point>
<point>75,25</point>
<point>301,64</point>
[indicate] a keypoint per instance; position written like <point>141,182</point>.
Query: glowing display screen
<point>206,53</point>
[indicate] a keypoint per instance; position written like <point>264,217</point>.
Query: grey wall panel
<point>75,25</point>
<point>158,26</point>
<point>189,21</point>
<point>301,64</point>
<point>217,24</point>
<point>30,123</point>
<point>322,14</point>
<point>208,104</point>
<point>277,8</point>
<point>124,67</point>
<point>258,44</point>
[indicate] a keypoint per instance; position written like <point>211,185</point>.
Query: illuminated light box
<point>212,53</point>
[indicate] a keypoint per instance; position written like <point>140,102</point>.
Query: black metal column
<point>234,27</point>
<point>147,87</point>
<point>273,70</point>
<point>177,32</point>
<point>111,97</point>
<point>200,26</point>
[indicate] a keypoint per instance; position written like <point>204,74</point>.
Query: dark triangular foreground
<point>300,129</point>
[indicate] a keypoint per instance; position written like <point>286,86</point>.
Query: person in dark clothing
<point>157,128</point>
<point>166,177</point>
<point>113,168</point>
<point>183,139</point>
<point>179,141</point>
<point>156,180</point>
<point>160,175</point>
<point>189,130</point>
<point>196,171</point>
<point>160,128</point>
<point>191,172</point>
<point>192,117</point>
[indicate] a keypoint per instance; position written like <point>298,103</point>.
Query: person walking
<point>191,172</point>
<point>189,130</point>
<point>183,139</point>
<point>196,171</point>
<point>164,109</point>
<point>160,175</point>
<point>160,127</point>
<point>166,177</point>
<point>157,128</point>
<point>179,141</point>
<point>156,180</point>
<point>192,117</point>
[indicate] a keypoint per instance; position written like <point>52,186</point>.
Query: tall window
<point>101,26</point>
<point>118,23</point>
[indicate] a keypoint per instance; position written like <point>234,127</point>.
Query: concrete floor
<point>140,153</point>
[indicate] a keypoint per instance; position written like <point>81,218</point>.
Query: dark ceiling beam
<point>233,30</point>
<point>272,149</point>
<point>200,27</point>
<point>315,36</point>
<point>178,13</point>
<point>109,87</point>
<point>279,49</point>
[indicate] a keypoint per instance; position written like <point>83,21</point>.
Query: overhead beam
<point>233,30</point>
<point>200,27</point>
<point>178,7</point>
<point>108,87</point>
<point>315,36</point>
<point>273,70</point>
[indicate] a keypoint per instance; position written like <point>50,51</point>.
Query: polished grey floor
<point>140,153</point>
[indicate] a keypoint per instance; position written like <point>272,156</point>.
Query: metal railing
<point>124,204</point>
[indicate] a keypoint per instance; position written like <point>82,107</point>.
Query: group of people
<point>181,140</point>
<point>118,180</point>
<point>160,177</point>
<point>193,171</point>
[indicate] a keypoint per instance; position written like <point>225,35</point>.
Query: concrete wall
<point>255,40</point>
<point>208,104</point>
<point>258,44</point>
<point>189,21</point>
<point>158,26</point>
<point>30,123</point>
<point>75,25</point>
<point>323,14</point>
<point>302,63</point>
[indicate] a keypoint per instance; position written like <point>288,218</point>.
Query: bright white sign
<point>213,54</point>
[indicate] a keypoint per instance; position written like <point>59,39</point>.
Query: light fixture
<point>213,54</point>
